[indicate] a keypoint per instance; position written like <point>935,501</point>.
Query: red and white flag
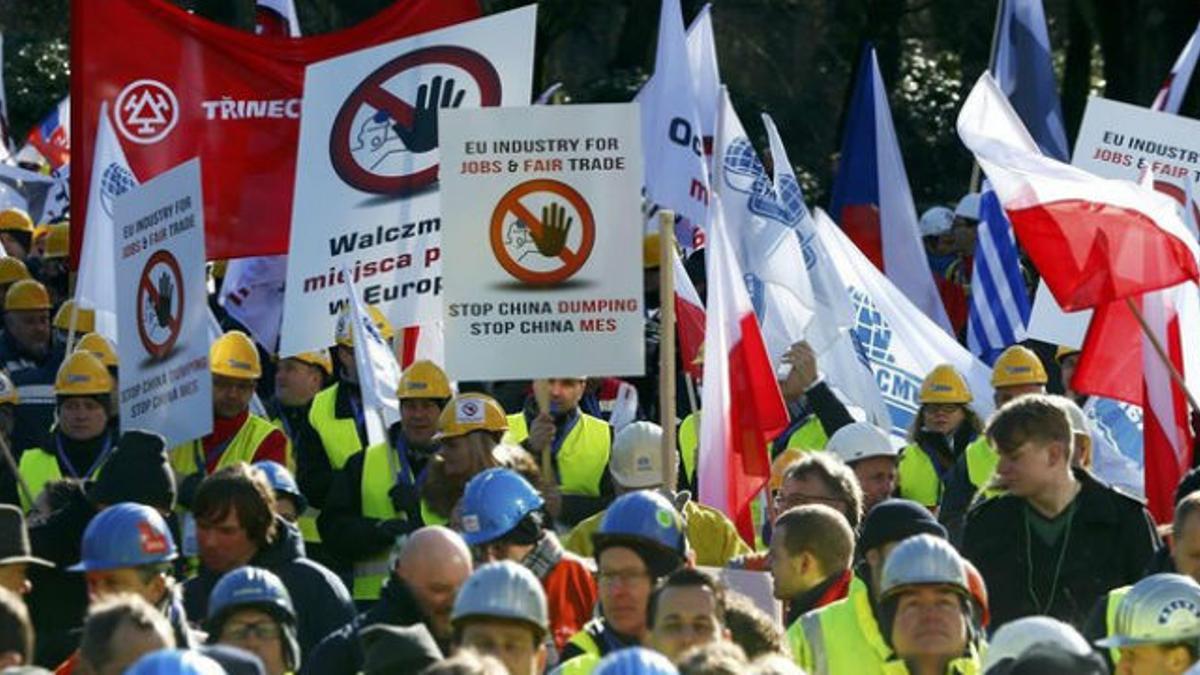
<point>689,320</point>
<point>743,408</point>
<point>1175,86</point>
<point>276,18</point>
<point>1094,240</point>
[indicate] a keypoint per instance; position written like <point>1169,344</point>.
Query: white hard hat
<point>1016,637</point>
<point>636,457</point>
<point>968,206</point>
<point>860,440</point>
<point>936,220</point>
<point>1160,609</point>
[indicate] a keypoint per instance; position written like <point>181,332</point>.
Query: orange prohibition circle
<point>510,206</point>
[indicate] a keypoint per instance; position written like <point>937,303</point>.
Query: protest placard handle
<point>11,462</point>
<point>541,393</point>
<point>666,343</point>
<point>1162,354</point>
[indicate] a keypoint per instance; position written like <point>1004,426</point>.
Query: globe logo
<point>115,181</point>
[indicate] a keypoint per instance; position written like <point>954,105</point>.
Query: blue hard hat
<point>494,502</point>
<point>175,662</point>
<point>635,661</point>
<point>253,588</point>
<point>282,482</point>
<point>646,522</point>
<point>126,535</point>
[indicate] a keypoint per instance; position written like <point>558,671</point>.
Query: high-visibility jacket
<point>381,470</point>
<point>842,637</point>
<point>809,436</point>
<point>920,481</point>
<point>339,435</point>
<point>307,521</point>
<point>189,458</point>
<point>709,532</point>
<point>981,462</point>
<point>1111,602</point>
<point>582,458</point>
<point>39,467</point>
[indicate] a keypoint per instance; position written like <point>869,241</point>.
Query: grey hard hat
<point>1162,608</point>
<point>503,590</point>
<point>923,560</point>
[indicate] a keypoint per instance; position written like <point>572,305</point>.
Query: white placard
<point>366,194</point>
<point>543,242</point>
<point>162,307</point>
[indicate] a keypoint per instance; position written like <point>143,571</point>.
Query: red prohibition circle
<point>371,89</point>
<point>511,202</point>
<point>145,288</point>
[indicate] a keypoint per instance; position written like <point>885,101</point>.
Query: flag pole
<point>541,393</point>
<point>6,450</point>
<point>1162,353</point>
<point>975,172</point>
<point>666,343</point>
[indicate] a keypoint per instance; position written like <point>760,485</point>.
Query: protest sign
<point>366,195</point>
<point>1119,140</point>
<point>543,236</point>
<point>162,307</point>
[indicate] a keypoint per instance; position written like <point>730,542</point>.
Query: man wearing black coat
<point>1059,539</point>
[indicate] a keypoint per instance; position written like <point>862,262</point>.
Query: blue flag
<point>1022,67</point>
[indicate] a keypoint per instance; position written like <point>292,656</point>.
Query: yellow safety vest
<point>39,467</point>
<point>709,532</point>
<point>918,478</point>
<point>981,463</point>
<point>1110,618</point>
<point>241,448</point>
<point>810,436</point>
<point>307,521</point>
<point>583,457</point>
<point>339,435</point>
<point>583,664</point>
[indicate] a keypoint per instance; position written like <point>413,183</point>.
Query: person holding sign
<point>237,435</point>
<point>578,443</point>
<point>374,499</point>
<point>338,427</point>
<point>81,441</point>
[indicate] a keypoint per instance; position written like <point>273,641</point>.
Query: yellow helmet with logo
<point>82,374</point>
<point>13,219</point>
<point>319,359</point>
<point>56,240</point>
<point>345,330</point>
<point>8,393</point>
<point>85,319</point>
<point>1017,366</point>
<point>98,346</point>
<point>1064,351</point>
<point>944,384</point>
<point>26,294</point>
<point>234,355</point>
<point>13,270</point>
<point>423,379</point>
<point>471,412</point>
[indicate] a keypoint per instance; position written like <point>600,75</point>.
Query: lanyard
<point>356,409</point>
<point>203,460</point>
<point>398,461</point>
<point>66,462</point>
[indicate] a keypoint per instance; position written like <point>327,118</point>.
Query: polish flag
<point>742,403</point>
<point>689,319</point>
<point>1094,240</point>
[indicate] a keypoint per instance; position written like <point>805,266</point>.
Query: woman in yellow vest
<point>942,429</point>
<point>469,429</point>
<point>82,439</point>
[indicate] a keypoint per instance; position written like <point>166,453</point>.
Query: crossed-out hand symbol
<point>556,225</point>
<point>162,304</point>
<point>422,136</point>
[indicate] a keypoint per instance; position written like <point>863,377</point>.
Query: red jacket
<point>571,595</point>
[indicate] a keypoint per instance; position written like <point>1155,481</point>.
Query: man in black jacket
<point>1060,538</point>
<point>433,565</point>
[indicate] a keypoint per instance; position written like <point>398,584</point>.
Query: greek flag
<point>999,311</point>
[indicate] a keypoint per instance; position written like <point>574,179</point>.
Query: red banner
<point>179,86</point>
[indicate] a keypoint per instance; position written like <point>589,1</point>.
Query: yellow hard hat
<point>234,355</point>
<point>85,319</point>
<point>15,220</point>
<point>56,240</point>
<point>471,412</point>
<point>780,464</point>
<point>13,270</point>
<point>98,346</point>
<point>1064,351</point>
<point>26,294</point>
<point>219,268</point>
<point>1017,366</point>
<point>8,393</point>
<point>423,379</point>
<point>345,331</point>
<point>82,374</point>
<point>651,250</point>
<point>319,359</point>
<point>944,384</point>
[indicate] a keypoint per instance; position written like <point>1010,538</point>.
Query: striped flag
<point>1175,86</point>
<point>999,309</point>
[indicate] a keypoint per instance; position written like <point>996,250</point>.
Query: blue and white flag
<point>378,371</point>
<point>1022,67</point>
<point>899,342</point>
<point>1117,443</point>
<point>999,309</point>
